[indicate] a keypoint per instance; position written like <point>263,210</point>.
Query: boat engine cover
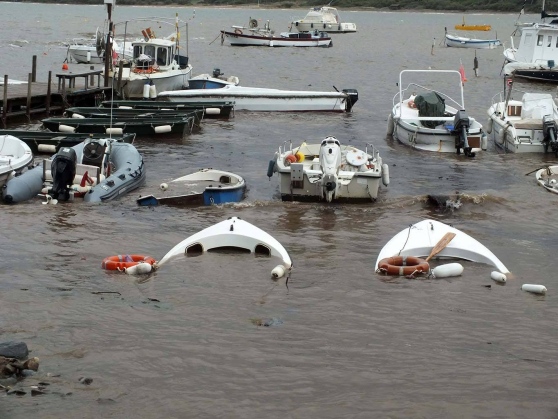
<point>330,156</point>
<point>63,171</point>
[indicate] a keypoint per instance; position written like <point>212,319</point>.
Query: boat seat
<point>93,172</point>
<point>530,123</point>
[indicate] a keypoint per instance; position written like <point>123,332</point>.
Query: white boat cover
<point>419,239</point>
<point>537,105</point>
<point>233,232</point>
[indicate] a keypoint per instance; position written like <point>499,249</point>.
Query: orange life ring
<point>412,104</point>
<point>403,265</point>
<point>291,158</point>
<point>238,31</point>
<point>119,262</point>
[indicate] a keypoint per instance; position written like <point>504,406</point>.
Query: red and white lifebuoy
<point>403,265</point>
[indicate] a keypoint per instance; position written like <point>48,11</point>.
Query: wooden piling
<point>5,102</point>
<point>28,106</point>
<point>47,104</point>
<point>34,69</point>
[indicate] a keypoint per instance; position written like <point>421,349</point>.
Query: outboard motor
<point>550,130</point>
<point>461,126</point>
<point>330,162</point>
<point>217,73</point>
<point>63,171</point>
<point>352,98</point>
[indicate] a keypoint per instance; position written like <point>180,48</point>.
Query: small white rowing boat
<point>547,177</point>
<point>419,239</point>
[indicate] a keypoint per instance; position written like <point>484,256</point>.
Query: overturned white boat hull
<point>419,239</point>
<point>233,232</point>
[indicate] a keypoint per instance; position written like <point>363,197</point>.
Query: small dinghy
<point>547,177</point>
<point>15,155</point>
<point>419,239</point>
<point>97,170</point>
<point>233,233</point>
<point>329,172</point>
<point>204,187</point>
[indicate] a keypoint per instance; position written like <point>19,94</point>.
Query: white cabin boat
<point>84,51</point>
<point>526,125</point>
<point>324,18</point>
<point>329,172</point>
<point>423,118</point>
<point>268,100</point>
<point>157,65</point>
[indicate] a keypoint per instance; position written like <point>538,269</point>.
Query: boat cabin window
<point>549,44</point>
<point>162,56</point>
<point>540,41</point>
<point>149,50</point>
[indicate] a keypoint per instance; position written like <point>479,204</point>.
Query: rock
<point>16,350</point>
<point>86,380</point>
<point>31,364</point>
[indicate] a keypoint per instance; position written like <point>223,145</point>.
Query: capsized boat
<point>48,142</point>
<point>97,170</point>
<point>419,239</point>
<point>463,42</point>
<point>547,177</point>
<point>323,18</point>
<point>234,233</point>
<point>269,100</point>
<point>426,119</point>
<point>526,125</point>
<point>15,156</point>
<point>204,187</point>
<point>329,172</point>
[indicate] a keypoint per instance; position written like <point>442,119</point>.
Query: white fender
<point>534,288</point>
<point>152,91</point>
<point>278,271</point>
<point>498,276</point>
<point>385,174</point>
<point>139,269</point>
<point>489,125</point>
<point>146,91</point>
<point>65,128</point>
<point>501,135</point>
<point>162,129</point>
<point>390,125</point>
<point>484,142</point>
<point>125,107</point>
<point>46,148</point>
<point>447,270</point>
<point>113,131</point>
<point>77,116</point>
<point>212,111</point>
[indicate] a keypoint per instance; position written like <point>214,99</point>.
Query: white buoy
<point>65,128</point>
<point>152,91</point>
<point>113,131</point>
<point>534,288</point>
<point>162,129</point>
<point>498,276</point>
<point>77,116</point>
<point>139,269</point>
<point>88,56</point>
<point>146,91</point>
<point>447,270</point>
<point>212,111</point>
<point>385,174</point>
<point>484,141</point>
<point>164,186</point>
<point>278,271</point>
<point>46,148</point>
<point>125,107</point>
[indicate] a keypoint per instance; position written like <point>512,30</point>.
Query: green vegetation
<point>454,5</point>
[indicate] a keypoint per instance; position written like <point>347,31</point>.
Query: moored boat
<point>97,170</point>
<point>463,42</point>
<point>547,177</point>
<point>314,38</point>
<point>211,108</point>
<point>204,187</point>
<point>324,18</point>
<point>15,156</point>
<point>424,118</point>
<point>328,171</point>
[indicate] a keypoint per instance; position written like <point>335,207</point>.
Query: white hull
<point>87,54</point>
<point>419,239</point>
<point>517,131</point>
<point>261,99</point>
<point>237,39</point>
<point>358,178</point>
<point>15,155</point>
<point>462,42</point>
<point>409,128</point>
<point>547,178</point>
<point>133,83</point>
<point>324,26</point>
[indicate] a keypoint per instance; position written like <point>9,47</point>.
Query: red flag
<point>462,72</point>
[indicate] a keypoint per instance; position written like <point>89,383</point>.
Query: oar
<point>536,170</point>
<point>441,245</point>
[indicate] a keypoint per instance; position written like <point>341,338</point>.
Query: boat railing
<point>374,152</point>
<point>460,105</point>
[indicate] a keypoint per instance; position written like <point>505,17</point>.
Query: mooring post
<point>34,69</point>
<point>28,106</point>
<point>47,105</point>
<point>92,76</point>
<point>5,101</point>
<point>119,81</point>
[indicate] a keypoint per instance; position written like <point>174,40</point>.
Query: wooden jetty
<point>43,98</point>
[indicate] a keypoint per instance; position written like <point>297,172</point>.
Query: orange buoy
<point>291,158</point>
<point>64,66</point>
<point>120,262</point>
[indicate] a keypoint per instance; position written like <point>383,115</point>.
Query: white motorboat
<point>92,51</point>
<point>526,125</point>
<point>324,18</point>
<point>213,81</point>
<point>156,65</point>
<point>536,55</point>
<point>423,118</point>
<point>204,187</point>
<point>15,155</point>
<point>329,172</point>
<point>463,42</point>
<point>419,239</point>
<point>232,233</point>
<point>547,177</point>
<point>268,100</point>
